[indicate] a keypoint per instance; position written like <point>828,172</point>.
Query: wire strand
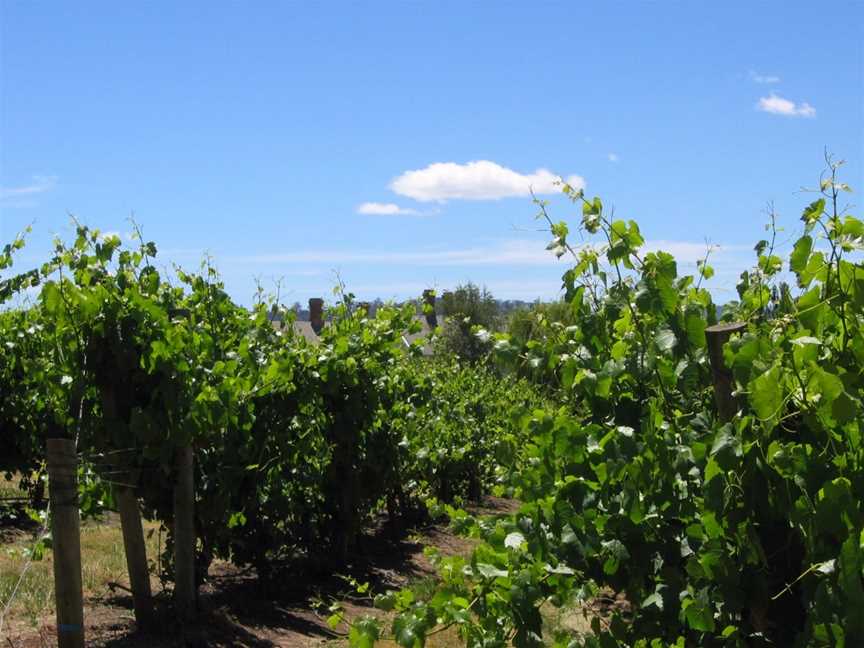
<point>43,533</point>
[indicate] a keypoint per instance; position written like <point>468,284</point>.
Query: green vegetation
<point>741,533</point>
<point>462,435</point>
<point>537,322</point>
<point>297,445</point>
<point>597,415</point>
<point>466,309</point>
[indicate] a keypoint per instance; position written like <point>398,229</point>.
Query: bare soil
<point>237,609</point>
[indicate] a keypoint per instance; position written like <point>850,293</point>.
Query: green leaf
<point>364,633</point>
<point>616,553</point>
<point>811,309</point>
<point>805,340</point>
<point>653,599</point>
<point>665,340</point>
<point>824,386</point>
<point>766,395</point>
<point>695,325</point>
<point>490,571</point>
<point>851,568</point>
<point>237,519</point>
<point>699,615</point>
<point>561,568</point>
<point>385,602</point>
<point>800,254</point>
<point>836,507</point>
<point>813,211</point>
<point>712,469</point>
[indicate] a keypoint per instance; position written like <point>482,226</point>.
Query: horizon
<point>397,145</point>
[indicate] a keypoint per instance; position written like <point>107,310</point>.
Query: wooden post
<point>66,536</point>
<point>716,336</point>
<point>184,536</point>
<point>136,552</point>
<point>130,518</point>
<point>316,314</point>
<point>429,302</point>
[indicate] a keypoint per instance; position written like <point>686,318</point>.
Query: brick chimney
<point>429,300</point>
<point>316,313</point>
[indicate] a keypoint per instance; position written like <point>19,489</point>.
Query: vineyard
<point>702,464</point>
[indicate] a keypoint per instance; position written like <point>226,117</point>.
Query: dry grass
<point>230,621</point>
<point>102,559</point>
<point>9,487</point>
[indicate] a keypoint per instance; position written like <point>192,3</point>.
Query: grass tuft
<point>102,561</point>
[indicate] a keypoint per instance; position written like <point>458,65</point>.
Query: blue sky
<point>281,137</point>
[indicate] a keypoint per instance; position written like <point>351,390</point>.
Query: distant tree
<point>467,309</point>
<point>471,301</point>
<point>300,314</point>
<point>532,323</point>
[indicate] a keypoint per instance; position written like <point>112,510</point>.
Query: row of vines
<point>598,417</point>
<point>299,447</point>
<point>745,530</point>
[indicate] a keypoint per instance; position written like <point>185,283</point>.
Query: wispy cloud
<point>755,77</point>
<point>385,209</point>
<point>612,157</point>
<point>692,251</point>
<point>777,105</point>
<point>507,252</point>
<point>477,180</point>
<point>501,288</point>
<point>20,196</point>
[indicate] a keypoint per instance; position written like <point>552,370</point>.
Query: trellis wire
<point>43,533</point>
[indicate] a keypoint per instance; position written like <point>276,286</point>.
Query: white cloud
<point>691,252</point>
<point>612,157</point>
<point>38,184</point>
<point>512,252</point>
<point>518,267</point>
<point>478,180</point>
<point>502,289</point>
<point>777,105</point>
<point>763,78</point>
<point>507,252</point>
<point>22,197</point>
<point>385,209</point>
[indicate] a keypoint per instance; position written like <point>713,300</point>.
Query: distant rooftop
<point>305,329</point>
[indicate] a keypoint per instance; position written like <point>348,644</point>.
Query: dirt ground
<point>235,609</point>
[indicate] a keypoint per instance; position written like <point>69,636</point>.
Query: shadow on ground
<point>236,608</point>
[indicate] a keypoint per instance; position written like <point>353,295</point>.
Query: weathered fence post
<point>716,336</point>
<point>429,308</point>
<point>136,551</point>
<point>316,314</point>
<point>184,536</point>
<point>66,537</point>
